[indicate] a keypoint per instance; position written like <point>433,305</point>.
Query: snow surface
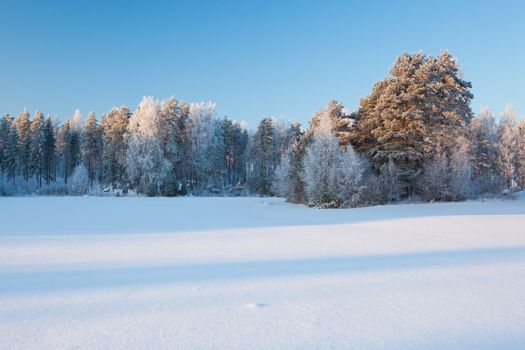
<point>252,273</point>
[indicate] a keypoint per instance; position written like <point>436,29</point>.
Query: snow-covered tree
<point>390,185</point>
<point>425,103</point>
<point>114,125</point>
<point>75,140</point>
<point>520,154</point>
<point>235,148</point>
<point>332,174</point>
<point>173,119</point>
<point>37,146</point>
<point>48,161</point>
<point>206,148</point>
<point>460,165</point>
<point>79,182</point>
<point>145,164</point>
<point>507,146</point>
<point>264,157</point>
<point>91,147</point>
<point>8,147</point>
<point>484,150</point>
<point>23,125</point>
<point>448,177</point>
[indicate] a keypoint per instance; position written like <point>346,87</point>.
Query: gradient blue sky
<point>254,58</point>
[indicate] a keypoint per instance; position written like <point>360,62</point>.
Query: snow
<point>258,273</point>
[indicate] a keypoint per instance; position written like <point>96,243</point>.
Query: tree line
<point>414,136</point>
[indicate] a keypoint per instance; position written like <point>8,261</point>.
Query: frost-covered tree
<point>332,174</point>
<point>23,125</point>
<point>520,154</point>
<point>340,120</point>
<point>114,125</point>
<point>91,147</point>
<point>264,157</point>
<point>423,104</point>
<point>75,140</point>
<point>48,161</point>
<point>507,146</point>
<point>79,182</point>
<point>288,182</point>
<point>448,177</point>
<point>235,146</point>
<point>389,182</point>
<point>37,146</point>
<point>206,148</point>
<point>460,167</point>
<point>8,147</point>
<point>5,126</point>
<point>484,150</point>
<point>67,136</point>
<point>60,150</point>
<point>145,164</point>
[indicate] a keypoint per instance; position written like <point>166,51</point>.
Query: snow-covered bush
<point>79,182</point>
<point>332,174</point>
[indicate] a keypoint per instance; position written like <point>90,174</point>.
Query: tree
<point>92,147</point>
<point>23,125</point>
<point>206,148</point>
<point>48,161</point>
<point>5,126</point>
<point>145,164</point>
<point>520,154</point>
<point>507,146</point>
<point>173,119</point>
<point>37,147</point>
<point>75,140</point>
<point>425,103</point>
<point>8,147</point>
<point>67,151</point>
<point>332,174</point>
<point>391,188</point>
<point>114,126</point>
<point>448,177</point>
<point>485,163</point>
<point>461,169</point>
<point>264,157</point>
<point>79,183</point>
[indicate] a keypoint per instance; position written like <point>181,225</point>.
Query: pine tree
<point>23,125</point>
<point>91,147</point>
<point>37,146</point>
<point>114,126</point>
<point>8,147</point>
<point>66,149</point>
<point>48,161</point>
<point>75,140</point>
<point>5,126</point>
<point>264,157</point>
<point>425,103</point>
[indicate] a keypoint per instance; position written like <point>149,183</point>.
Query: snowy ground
<point>248,273</point>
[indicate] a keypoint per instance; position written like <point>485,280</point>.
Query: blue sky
<point>254,58</point>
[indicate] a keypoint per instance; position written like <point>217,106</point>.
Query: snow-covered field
<point>251,273</point>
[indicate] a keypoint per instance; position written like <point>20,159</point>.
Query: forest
<point>414,137</point>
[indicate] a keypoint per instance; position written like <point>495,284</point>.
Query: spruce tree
<point>23,125</point>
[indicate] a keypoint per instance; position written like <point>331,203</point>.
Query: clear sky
<point>254,58</point>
